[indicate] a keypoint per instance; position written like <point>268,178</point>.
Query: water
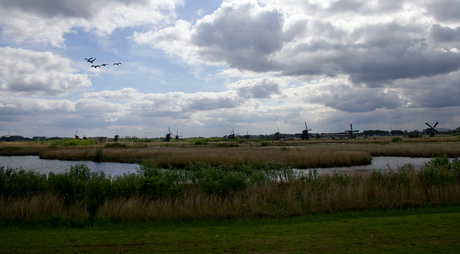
<point>378,163</point>
<point>59,166</point>
<point>112,168</point>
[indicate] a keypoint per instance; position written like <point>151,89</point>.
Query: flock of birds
<point>91,60</point>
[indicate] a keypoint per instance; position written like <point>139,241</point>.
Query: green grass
<point>426,230</point>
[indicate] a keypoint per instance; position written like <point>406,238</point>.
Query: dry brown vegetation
<point>277,199</point>
<point>307,156</point>
<point>304,154</point>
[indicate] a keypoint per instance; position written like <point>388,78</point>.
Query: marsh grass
<point>207,192</point>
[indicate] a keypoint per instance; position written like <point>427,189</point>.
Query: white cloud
<point>30,73</point>
<point>47,21</point>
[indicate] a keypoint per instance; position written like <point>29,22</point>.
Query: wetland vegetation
<point>202,191</point>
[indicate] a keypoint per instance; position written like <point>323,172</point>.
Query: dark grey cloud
<point>385,53</point>
<point>258,88</point>
<point>444,10</point>
<point>445,34</point>
<point>86,9</point>
<point>433,92</point>
<point>350,99</point>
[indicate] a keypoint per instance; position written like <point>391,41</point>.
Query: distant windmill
<point>232,134</point>
<point>168,135</point>
<point>247,135</point>
<point>177,135</point>
<point>84,136</point>
<point>277,134</point>
<point>116,137</point>
<point>305,132</point>
<point>76,135</point>
<point>431,131</point>
<point>350,132</point>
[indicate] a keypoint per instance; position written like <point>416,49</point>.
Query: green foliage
<point>73,142</point>
<point>284,148</point>
<point>201,142</point>
<point>264,143</point>
<point>325,181</point>
<point>98,155</point>
<point>116,145</point>
<point>396,139</point>
<point>226,145</point>
<point>157,183</point>
<point>16,183</point>
<point>392,178</point>
<point>440,170</point>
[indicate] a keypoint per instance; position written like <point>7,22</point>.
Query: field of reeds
<point>304,154</point>
<point>202,191</point>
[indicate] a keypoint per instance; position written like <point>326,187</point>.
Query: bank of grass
<point>205,192</point>
<point>421,230</point>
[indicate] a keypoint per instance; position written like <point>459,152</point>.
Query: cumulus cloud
<point>445,10</point>
<point>47,21</point>
<point>250,37</point>
<point>351,99</point>
<point>260,88</point>
<point>30,73</point>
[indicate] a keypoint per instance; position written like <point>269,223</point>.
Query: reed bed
<point>207,192</point>
<point>308,156</point>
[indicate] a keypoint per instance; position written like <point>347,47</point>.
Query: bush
<point>440,170</point>
<point>76,142</point>
<point>15,182</point>
<point>396,139</point>
<point>115,145</point>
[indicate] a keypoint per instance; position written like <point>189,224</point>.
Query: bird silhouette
<point>103,64</point>
<point>96,66</point>
<point>117,63</point>
<point>89,59</point>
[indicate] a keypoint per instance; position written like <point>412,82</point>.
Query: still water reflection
<point>59,166</point>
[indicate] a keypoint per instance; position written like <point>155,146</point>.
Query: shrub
<point>115,145</point>
<point>15,182</point>
<point>440,170</point>
<point>396,139</point>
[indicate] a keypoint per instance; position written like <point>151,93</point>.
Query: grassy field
<point>423,230</point>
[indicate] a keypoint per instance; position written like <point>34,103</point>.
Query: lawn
<point>422,230</point>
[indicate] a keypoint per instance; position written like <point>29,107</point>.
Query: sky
<point>203,68</point>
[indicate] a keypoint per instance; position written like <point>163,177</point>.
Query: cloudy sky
<point>206,67</point>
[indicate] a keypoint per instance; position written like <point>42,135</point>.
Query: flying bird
<point>103,64</point>
<point>89,59</point>
<point>96,66</point>
<point>117,63</point>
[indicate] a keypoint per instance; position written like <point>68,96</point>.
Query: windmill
<point>247,135</point>
<point>168,135</point>
<point>232,134</point>
<point>76,135</point>
<point>116,137</point>
<point>177,135</point>
<point>84,136</point>
<point>305,132</point>
<point>350,132</point>
<point>431,131</point>
<point>277,134</point>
